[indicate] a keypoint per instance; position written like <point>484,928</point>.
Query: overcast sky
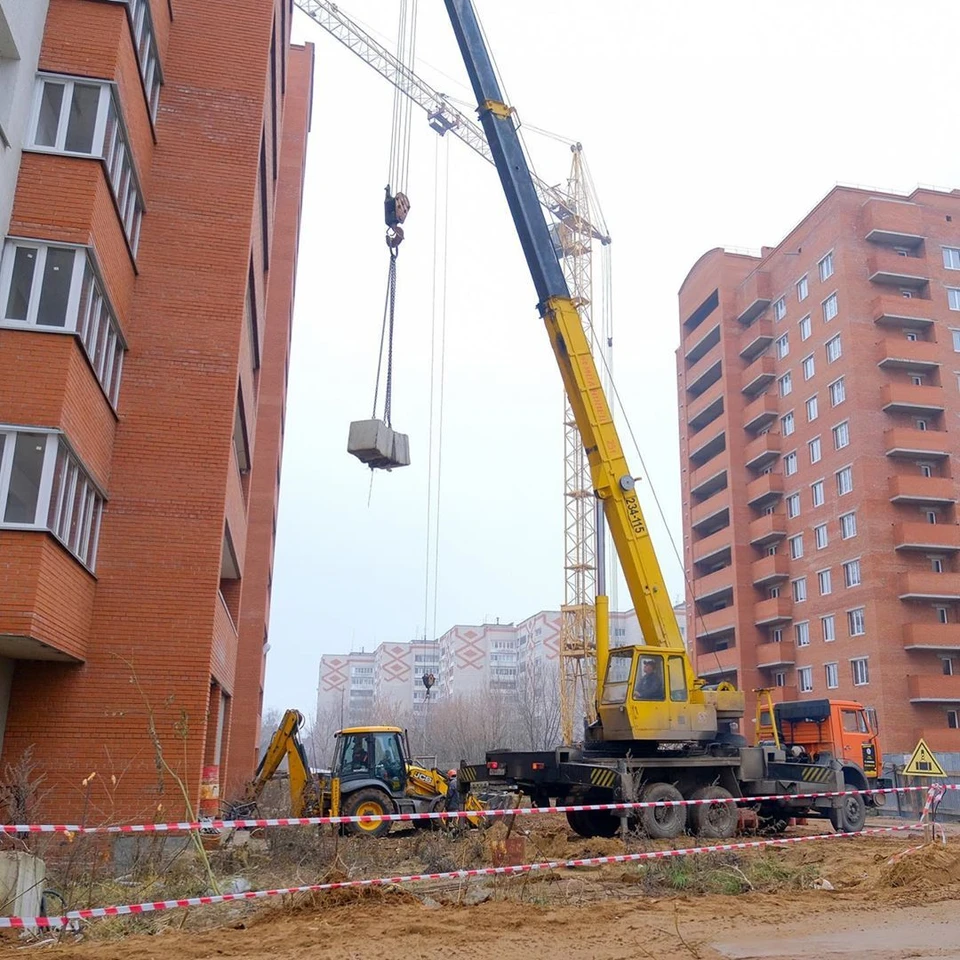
<point>705,124</point>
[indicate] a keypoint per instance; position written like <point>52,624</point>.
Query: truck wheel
<point>593,823</point>
<point>368,803</point>
<point>662,823</point>
<point>850,816</point>
<point>715,820</point>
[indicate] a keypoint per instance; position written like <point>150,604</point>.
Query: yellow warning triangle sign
<point>923,763</point>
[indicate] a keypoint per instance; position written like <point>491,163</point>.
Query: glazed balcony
<point>704,373</point>
<point>909,398</point>
<point>705,409</point>
<point>771,656</point>
<point>769,570</point>
<point>756,338</point>
<point>713,584</point>
<point>760,412</point>
<point>762,450</point>
<point>768,613</point>
<point>901,312</point>
<point>894,222</point>
<point>912,443</point>
<point>701,346</point>
<point>766,489</point>
<point>753,296</point>
<point>767,529</point>
<point>939,537</point>
<point>889,267</point>
<point>895,353</point>
<point>712,512</point>
<point>933,688</point>
<point>716,623</point>
<point>707,480</point>
<point>911,488</point>
<point>932,636</point>
<point>758,376</point>
<point>712,547</point>
<point>922,585</point>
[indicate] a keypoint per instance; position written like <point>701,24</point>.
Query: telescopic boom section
<point>612,480</point>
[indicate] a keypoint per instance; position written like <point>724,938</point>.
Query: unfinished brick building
<point>819,389</point>
<point>146,288</point>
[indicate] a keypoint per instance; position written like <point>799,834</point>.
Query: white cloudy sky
<point>705,124</point>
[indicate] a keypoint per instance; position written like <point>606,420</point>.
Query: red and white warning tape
<point>149,907</point>
<point>434,815</point>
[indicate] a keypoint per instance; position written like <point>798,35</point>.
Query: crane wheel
<point>714,820</point>
<point>368,803</point>
<point>851,815</point>
<point>593,823</point>
<point>662,823</point>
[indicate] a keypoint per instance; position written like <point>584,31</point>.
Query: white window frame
<point>780,309</point>
<point>955,337</point>
<point>852,573</point>
<point>841,435</point>
<point>813,404</point>
<point>821,537</point>
<point>809,367</point>
<point>796,547</point>
<point>805,679</point>
<point>787,424</point>
<point>834,349</point>
<point>828,627</point>
<point>803,288</point>
<point>860,669</point>
<point>848,525</point>
<point>818,493</point>
<point>806,328</point>
<point>801,632</point>
<point>825,267</point>
<point>953,298</point>
<point>793,499</point>
<point>785,384</point>
<point>837,388</point>
<point>831,675</point>
<point>783,346</point>
<point>790,463</point>
<point>830,307</point>
<point>951,258</point>
<point>825,582</point>
<point>857,622</point>
<point>843,475</point>
<point>799,589</point>
<point>815,450</point>
<point>69,84</point>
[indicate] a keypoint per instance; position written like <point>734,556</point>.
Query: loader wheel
<point>851,815</point>
<point>714,820</point>
<point>662,823</point>
<point>593,823</point>
<point>368,803</point>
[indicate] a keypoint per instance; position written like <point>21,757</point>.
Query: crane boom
<point>443,116</point>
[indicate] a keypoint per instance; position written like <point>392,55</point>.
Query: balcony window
<point>817,493</point>
<point>809,368</point>
<point>828,627</point>
<point>838,392</point>
<point>813,447</point>
<point>44,487</point>
<point>802,289</point>
<point>821,537</point>
<point>805,679</point>
<point>799,589</point>
<point>785,385</point>
<point>144,41</point>
<point>780,678</point>
<point>851,573</point>
<point>783,346</point>
<point>780,309</point>
<point>82,118</point>
<point>861,674</point>
<point>796,547</point>
<point>834,349</point>
<point>825,267</point>
<point>790,464</point>
<point>841,435</point>
<point>57,288</point>
<point>787,424</point>
<point>848,526</point>
<point>856,623</point>
<point>831,675</point>
<point>951,258</point>
<point>953,298</point>
<point>793,505</point>
<point>825,582</point>
<point>805,328</point>
<point>830,308</point>
<point>844,481</point>
<point>802,633</point>
<point>812,411</point>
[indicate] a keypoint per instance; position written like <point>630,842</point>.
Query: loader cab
<point>371,753</point>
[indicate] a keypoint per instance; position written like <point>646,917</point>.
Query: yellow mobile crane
<point>661,732</point>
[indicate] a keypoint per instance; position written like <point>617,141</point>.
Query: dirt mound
<point>927,868</point>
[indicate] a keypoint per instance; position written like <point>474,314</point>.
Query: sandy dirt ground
<point>879,909</point>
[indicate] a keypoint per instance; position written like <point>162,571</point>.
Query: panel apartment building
<point>151,165</point>
<point>819,403</point>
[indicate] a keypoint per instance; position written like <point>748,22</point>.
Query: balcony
<point>753,296</point>
<point>702,346</point>
<point>762,450</point>
<point>704,373</point>
<point>782,694</point>
<point>707,480</point>
<point>705,409</point>
<point>718,662</point>
<point>922,585</point>
<point>932,636</point>
<point>713,512</point>
<point>886,266</point>
<point>756,338</point>
<point>713,584</point>
<point>908,398</point>
<point>760,413</point>
<point>768,613</point>
<point>933,688</point>
<point>766,489</point>
<point>712,547</point>
<point>899,353</point>
<point>769,570</point>
<point>941,739</point>
<point>908,442</point>
<point>927,536</point>
<point>702,451</point>
<point>767,529</point>
<point>773,655</point>
<point>717,623</point>
<point>901,312</point>
<point>895,222</point>
<point>919,489</point>
<point>758,376</point>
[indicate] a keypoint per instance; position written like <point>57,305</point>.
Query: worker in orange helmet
<point>453,791</point>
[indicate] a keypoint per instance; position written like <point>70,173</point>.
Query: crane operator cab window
<point>617,680</point>
<point>649,682</point>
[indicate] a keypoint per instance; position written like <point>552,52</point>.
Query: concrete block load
<point>377,445</point>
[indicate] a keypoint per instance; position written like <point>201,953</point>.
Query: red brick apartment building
<point>154,154</point>
<point>819,403</point>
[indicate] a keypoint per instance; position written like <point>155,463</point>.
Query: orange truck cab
<point>819,731</point>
